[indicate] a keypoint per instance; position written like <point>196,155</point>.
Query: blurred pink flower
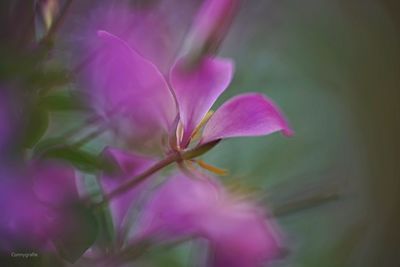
<point>32,204</point>
<point>237,231</point>
<point>210,26</point>
<point>23,223</point>
<point>129,90</point>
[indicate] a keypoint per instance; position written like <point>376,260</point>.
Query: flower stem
<point>175,157</point>
<point>140,178</point>
<point>89,137</point>
<point>305,202</point>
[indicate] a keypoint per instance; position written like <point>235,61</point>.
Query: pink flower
<point>23,223</point>
<point>237,231</point>
<point>210,26</point>
<point>33,204</point>
<point>129,90</point>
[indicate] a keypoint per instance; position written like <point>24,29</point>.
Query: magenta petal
<point>26,219</point>
<point>129,89</point>
<point>211,25</point>
<point>54,183</point>
<point>177,208</point>
<point>129,165</point>
<point>245,115</point>
<point>197,88</point>
<point>241,236</point>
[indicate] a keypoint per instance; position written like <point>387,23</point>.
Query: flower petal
<point>177,207</point>
<point>128,88</point>
<point>54,183</point>
<point>210,26</point>
<point>245,115</point>
<point>129,165</point>
<point>197,88</point>
<point>241,236</point>
<point>237,230</point>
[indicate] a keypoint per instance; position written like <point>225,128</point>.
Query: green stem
<point>306,202</point>
<point>89,137</point>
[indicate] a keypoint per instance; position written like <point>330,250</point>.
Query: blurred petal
<point>176,208</point>
<point>210,26</point>
<point>245,115</point>
<point>24,221</point>
<point>152,32</point>
<point>129,166</point>
<point>197,88</point>
<point>241,236</point>
<point>238,231</point>
<point>129,90</point>
<point>54,183</point>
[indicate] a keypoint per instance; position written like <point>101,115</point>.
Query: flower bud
<point>210,27</point>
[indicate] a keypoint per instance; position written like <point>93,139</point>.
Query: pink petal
<point>130,165</point>
<point>150,31</point>
<point>54,183</point>
<point>177,207</point>
<point>26,219</point>
<point>237,230</point>
<point>249,114</point>
<point>211,25</point>
<point>241,236</point>
<point>129,89</point>
<point>197,88</point>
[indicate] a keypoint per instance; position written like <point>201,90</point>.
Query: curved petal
<point>237,230</point>
<point>54,183</point>
<point>197,88</point>
<point>210,26</point>
<point>245,115</point>
<point>129,165</point>
<point>241,236</point>
<point>177,208</point>
<point>125,86</point>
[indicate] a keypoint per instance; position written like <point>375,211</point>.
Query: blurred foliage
<point>79,233</point>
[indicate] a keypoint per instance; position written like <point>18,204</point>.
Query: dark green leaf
<point>79,232</point>
<point>47,79</point>
<point>79,158</point>
<point>60,103</point>
<point>104,220</point>
<point>37,126</point>
<point>46,144</point>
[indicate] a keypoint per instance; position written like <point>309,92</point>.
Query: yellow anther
<point>211,168</point>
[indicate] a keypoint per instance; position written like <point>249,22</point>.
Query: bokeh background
<point>333,66</point>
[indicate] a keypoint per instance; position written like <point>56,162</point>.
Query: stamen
<point>179,134</point>
<point>196,133</point>
<point>211,168</point>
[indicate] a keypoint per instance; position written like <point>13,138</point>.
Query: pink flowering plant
<point>150,108</point>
